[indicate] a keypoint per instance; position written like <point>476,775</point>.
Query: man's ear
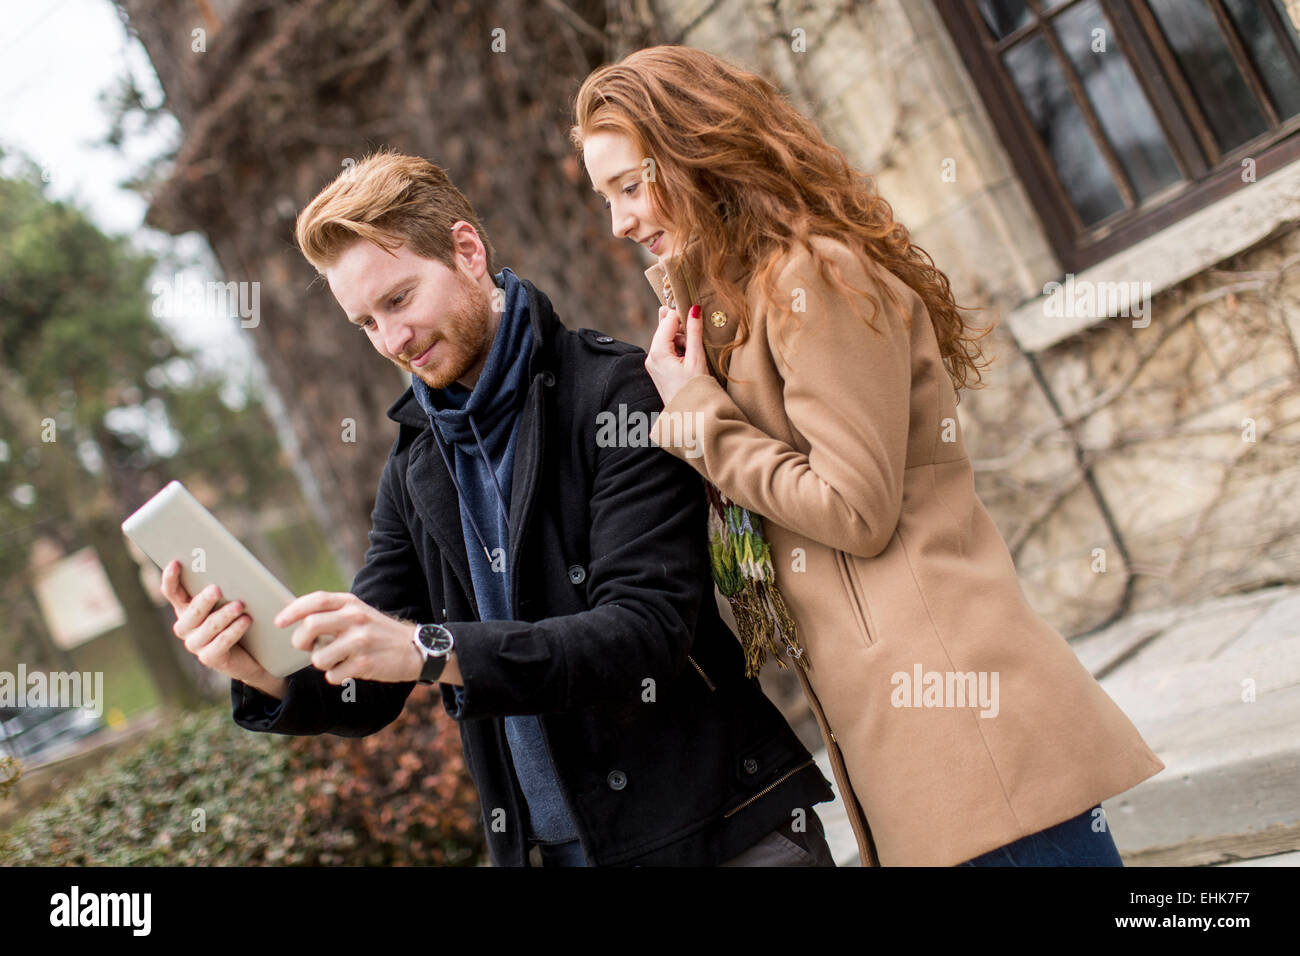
<point>471,255</point>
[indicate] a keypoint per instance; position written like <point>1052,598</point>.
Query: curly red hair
<point>740,169</point>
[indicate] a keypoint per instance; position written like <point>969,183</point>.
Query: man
<point>556,588</point>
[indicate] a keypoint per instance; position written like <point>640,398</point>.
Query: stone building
<point>1116,185</point>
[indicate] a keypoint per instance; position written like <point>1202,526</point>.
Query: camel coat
<point>956,719</point>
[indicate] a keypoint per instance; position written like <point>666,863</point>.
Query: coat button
<point>719,319</point>
<point>617,780</point>
<point>547,378</point>
<point>751,765</point>
<point>576,574</point>
<point>604,339</point>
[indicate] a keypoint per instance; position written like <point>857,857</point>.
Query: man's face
<point>424,317</point>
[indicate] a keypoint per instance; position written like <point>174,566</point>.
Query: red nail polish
<point>695,312</point>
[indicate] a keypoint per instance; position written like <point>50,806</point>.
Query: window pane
<point>1117,100</point>
<point>1210,70</point>
<point>1258,36</point>
<point>1003,16</point>
<point>1078,161</point>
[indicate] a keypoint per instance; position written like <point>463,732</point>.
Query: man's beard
<point>465,341</point>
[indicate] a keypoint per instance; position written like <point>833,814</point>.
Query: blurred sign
<point>77,600</point>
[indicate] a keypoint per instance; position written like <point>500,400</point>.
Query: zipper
<point>784,777</point>
<point>712,686</point>
<point>857,817</point>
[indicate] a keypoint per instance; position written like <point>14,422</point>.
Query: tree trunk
<point>283,96</point>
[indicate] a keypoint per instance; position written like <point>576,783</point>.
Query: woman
<point>808,356</point>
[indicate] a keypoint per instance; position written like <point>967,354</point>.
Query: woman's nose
<point>623,224</point>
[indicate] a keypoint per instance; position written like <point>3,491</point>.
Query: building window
<point>1122,116</point>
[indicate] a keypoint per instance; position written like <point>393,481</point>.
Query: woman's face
<point>619,175</point>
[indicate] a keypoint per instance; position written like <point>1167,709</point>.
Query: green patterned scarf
<point>741,561</point>
<point>742,568</point>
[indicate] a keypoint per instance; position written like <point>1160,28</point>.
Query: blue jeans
<point>1072,843</point>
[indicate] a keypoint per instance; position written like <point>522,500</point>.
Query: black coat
<point>666,753</point>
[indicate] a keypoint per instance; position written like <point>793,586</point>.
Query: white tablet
<point>173,526</point>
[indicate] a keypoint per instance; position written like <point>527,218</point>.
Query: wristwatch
<point>434,642</point>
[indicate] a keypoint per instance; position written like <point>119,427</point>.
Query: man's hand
<point>213,636</point>
<point>367,644</point>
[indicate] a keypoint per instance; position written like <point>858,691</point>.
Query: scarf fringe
<point>741,561</point>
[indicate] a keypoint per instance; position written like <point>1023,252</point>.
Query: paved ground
<point>1215,690</point>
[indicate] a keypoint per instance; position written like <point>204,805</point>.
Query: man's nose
<point>397,338</point>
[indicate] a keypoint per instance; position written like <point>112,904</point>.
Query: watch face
<point>436,638</point>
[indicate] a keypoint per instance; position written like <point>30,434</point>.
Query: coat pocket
<point>856,598</point>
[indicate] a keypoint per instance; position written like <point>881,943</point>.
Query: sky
<point>57,57</point>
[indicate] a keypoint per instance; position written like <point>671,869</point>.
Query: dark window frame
<point>1209,174</point>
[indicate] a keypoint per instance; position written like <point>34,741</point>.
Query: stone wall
<point>1163,416</point>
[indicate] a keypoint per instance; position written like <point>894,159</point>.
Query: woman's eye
<point>630,189</point>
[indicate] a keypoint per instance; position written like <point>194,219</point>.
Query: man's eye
<point>364,326</point>
<point>397,300</point>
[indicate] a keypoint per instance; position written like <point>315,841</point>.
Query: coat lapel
<point>438,505</point>
<point>679,282</point>
<point>524,480</point>
<point>530,448</point>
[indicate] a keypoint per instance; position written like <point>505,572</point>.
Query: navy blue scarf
<point>481,423</point>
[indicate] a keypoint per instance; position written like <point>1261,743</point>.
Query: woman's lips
<point>658,241</point>
<point>423,357</point>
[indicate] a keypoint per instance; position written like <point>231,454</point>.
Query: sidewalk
<point>1230,793</point>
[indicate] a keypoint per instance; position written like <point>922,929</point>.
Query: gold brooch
<point>719,319</point>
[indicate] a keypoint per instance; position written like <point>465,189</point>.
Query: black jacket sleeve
<point>392,581</point>
<point>648,559</point>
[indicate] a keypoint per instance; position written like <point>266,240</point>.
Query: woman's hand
<point>676,355</point>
